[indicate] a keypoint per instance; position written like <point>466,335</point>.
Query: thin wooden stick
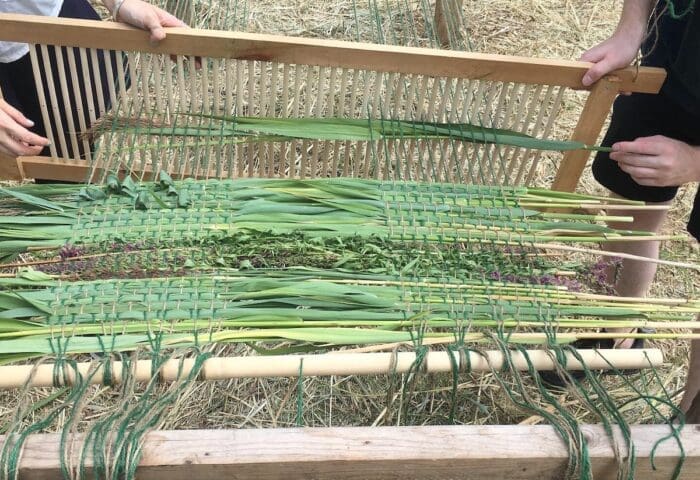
<point>224,368</point>
<point>601,206</point>
<point>63,83</point>
<point>50,85</point>
<point>628,256</point>
<point>36,70</point>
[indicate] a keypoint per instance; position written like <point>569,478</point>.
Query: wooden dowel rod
<point>599,206</point>
<point>604,253</point>
<point>222,368</point>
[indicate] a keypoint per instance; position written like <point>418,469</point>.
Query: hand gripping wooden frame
<point>288,77</point>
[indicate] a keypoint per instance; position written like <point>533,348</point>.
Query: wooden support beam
<point>595,111</point>
<point>307,51</point>
<point>50,168</point>
<point>339,363</point>
<point>10,168</point>
<point>359,453</point>
<point>67,170</point>
<point>445,10</point>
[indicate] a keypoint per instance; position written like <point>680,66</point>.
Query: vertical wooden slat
<point>107,58</point>
<point>88,81</point>
<point>517,155</point>
<point>197,105</point>
<point>162,153</point>
<point>240,81</point>
<point>181,160</point>
<point>308,95</point>
<point>67,107</point>
<point>349,147</point>
<point>250,95</point>
<point>595,111</point>
<point>60,133</point>
<point>78,99</point>
<point>229,150</point>
<point>121,80</point>
<point>285,147</point>
<point>97,73</point>
<point>264,147</point>
<point>556,106</point>
<point>294,144</point>
<point>373,150</point>
<point>444,9</point>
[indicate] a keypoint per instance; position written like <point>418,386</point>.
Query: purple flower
<point>70,251</point>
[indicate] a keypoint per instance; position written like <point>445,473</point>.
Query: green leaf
<point>141,200</point>
<point>159,201</point>
<point>92,193</point>
<point>165,180</point>
<point>183,199</point>
<point>113,184</point>
<point>32,200</point>
<point>129,187</point>
<point>34,275</point>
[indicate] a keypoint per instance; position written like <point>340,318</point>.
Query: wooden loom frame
<point>353,453</point>
<point>328,53</point>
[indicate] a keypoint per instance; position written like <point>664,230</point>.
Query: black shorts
<point>644,115</point>
<point>19,88</point>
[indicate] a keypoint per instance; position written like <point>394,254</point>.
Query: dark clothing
<point>674,45</point>
<point>19,87</point>
<point>674,112</point>
<point>644,115</point>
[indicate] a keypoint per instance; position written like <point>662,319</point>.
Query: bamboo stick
<point>629,256</point>
<point>223,368</point>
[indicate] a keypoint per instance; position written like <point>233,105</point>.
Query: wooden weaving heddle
<point>254,75</point>
<point>265,75</point>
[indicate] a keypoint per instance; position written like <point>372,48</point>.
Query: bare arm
<point>651,161</point>
<point>621,48</point>
<point>144,15</point>
<point>658,161</point>
<point>15,137</point>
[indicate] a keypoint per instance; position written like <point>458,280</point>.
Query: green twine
<point>123,431</point>
<point>652,400</point>
<point>565,424</point>
<point>420,351</point>
<point>300,394</point>
<point>673,13</point>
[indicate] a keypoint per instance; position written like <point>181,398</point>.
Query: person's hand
<point>15,138</point>
<point>616,52</point>
<point>658,161</point>
<point>143,15</point>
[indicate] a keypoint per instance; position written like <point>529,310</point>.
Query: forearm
<point>696,175</point>
<point>110,4</point>
<point>634,19</point>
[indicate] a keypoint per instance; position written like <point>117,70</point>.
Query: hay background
<point>539,28</point>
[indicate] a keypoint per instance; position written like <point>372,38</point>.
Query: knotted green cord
<point>673,13</point>
<point>300,395</point>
